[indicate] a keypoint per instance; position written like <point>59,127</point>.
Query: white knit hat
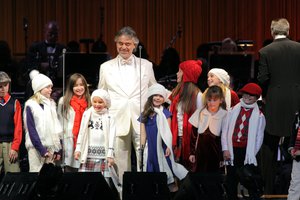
<point>33,73</point>
<point>222,75</point>
<point>157,89</point>
<point>39,81</point>
<point>103,94</point>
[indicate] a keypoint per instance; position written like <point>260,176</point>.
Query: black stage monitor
<point>145,186</point>
<point>87,64</point>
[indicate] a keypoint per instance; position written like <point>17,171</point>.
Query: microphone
<point>25,23</point>
<point>140,51</point>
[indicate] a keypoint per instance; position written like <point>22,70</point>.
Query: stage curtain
<point>155,21</point>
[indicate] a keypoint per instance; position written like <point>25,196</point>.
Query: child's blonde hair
<point>37,97</point>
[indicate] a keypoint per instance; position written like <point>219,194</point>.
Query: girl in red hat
<point>185,99</point>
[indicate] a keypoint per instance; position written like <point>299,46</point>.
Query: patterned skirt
<point>95,165</point>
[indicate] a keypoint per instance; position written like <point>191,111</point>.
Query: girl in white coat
<point>96,140</point>
<point>70,110</point>
<point>42,128</point>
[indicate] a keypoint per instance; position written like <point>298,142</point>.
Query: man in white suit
<point>126,78</point>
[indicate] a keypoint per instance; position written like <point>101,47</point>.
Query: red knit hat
<point>251,88</point>
<point>191,70</point>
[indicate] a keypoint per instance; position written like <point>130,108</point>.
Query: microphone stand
<point>141,148</point>
<point>63,164</point>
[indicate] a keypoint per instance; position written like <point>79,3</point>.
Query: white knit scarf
<point>252,131</point>
<point>164,134</point>
<point>52,125</point>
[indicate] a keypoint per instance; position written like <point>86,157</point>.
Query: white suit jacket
<point>125,105</point>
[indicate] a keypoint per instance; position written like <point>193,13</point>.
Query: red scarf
<point>79,106</point>
<point>186,135</point>
<point>297,142</point>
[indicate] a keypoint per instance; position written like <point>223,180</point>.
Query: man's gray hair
<point>280,27</point>
<point>127,31</point>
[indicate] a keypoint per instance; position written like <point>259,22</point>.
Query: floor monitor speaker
<point>18,186</point>
<point>202,186</point>
<point>145,186</point>
<point>84,186</point>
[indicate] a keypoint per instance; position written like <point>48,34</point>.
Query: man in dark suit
<point>44,55</point>
<point>279,75</point>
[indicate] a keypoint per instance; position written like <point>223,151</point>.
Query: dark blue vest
<point>7,125</point>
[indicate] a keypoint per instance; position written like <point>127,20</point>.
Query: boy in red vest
<point>10,127</point>
<point>243,137</point>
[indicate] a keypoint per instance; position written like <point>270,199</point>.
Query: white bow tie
<point>126,62</point>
